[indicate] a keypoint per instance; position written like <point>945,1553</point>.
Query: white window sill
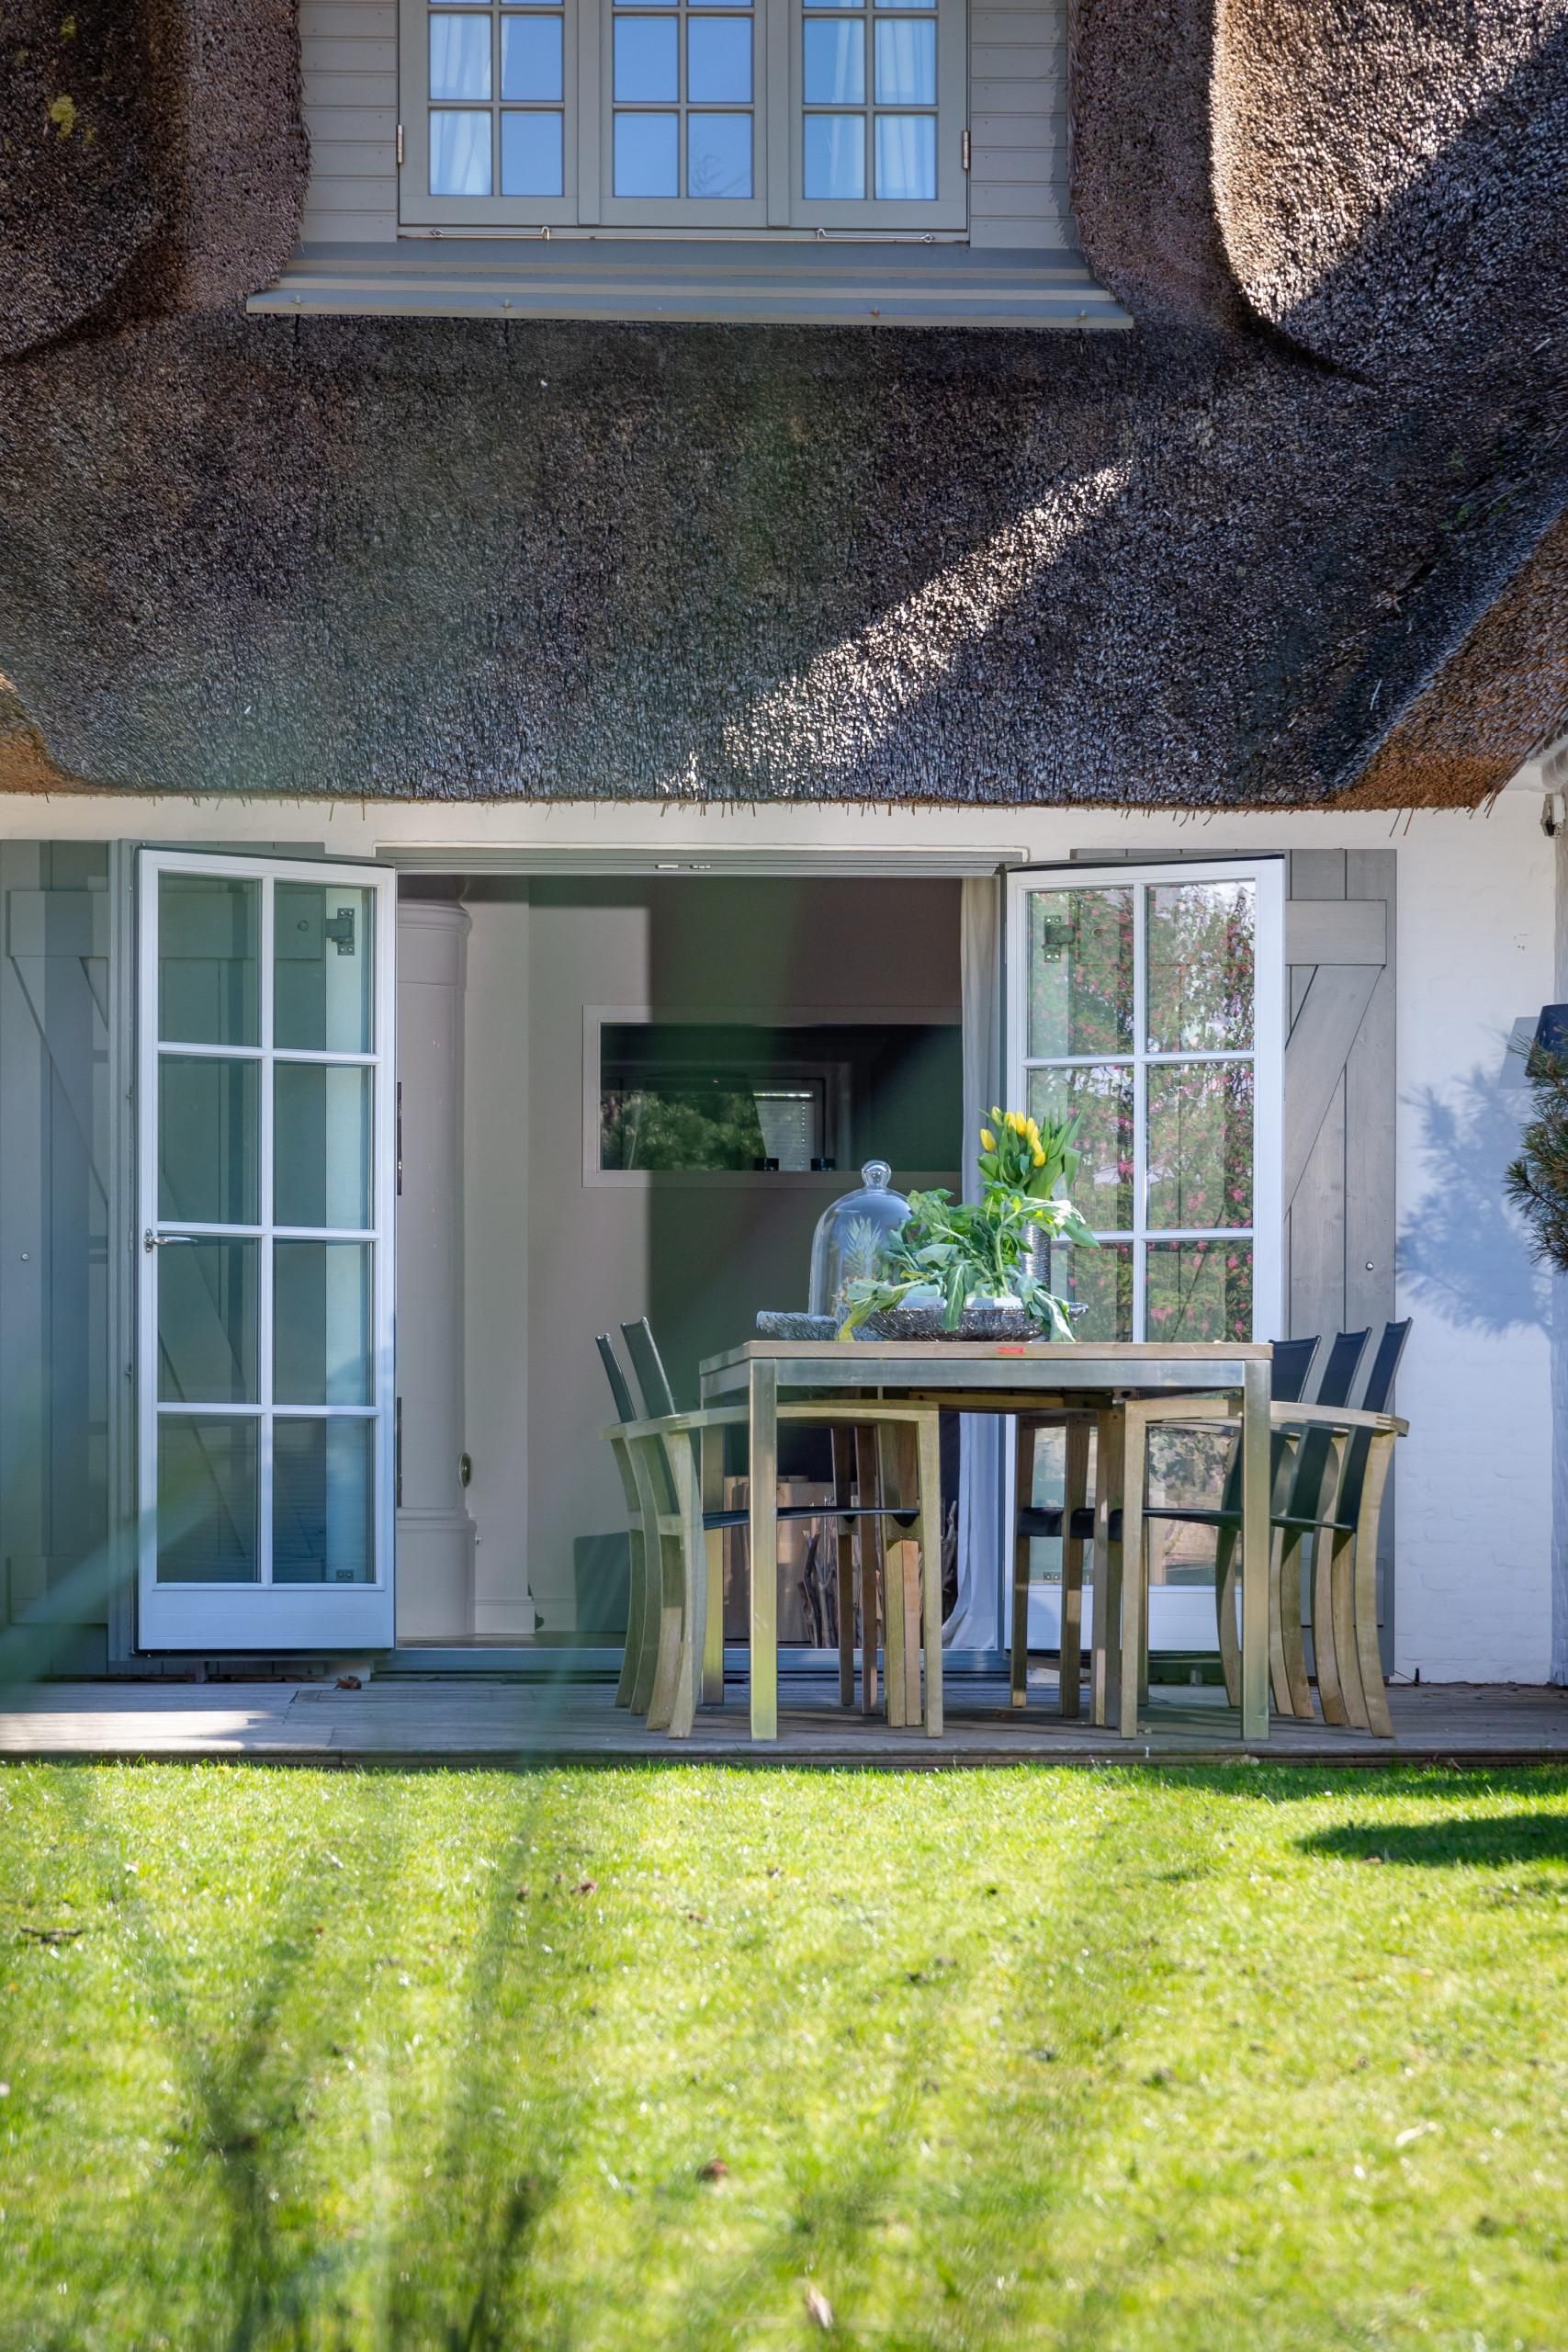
<point>728,282</point>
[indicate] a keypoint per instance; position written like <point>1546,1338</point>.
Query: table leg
<point>1075,1497</point>
<point>1254,1543</point>
<point>713,1543</point>
<point>1110,1442</point>
<point>764,1493</point>
<point>1134,1570</point>
<point>893,1616</point>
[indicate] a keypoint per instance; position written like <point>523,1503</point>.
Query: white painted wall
<point>1476,918</point>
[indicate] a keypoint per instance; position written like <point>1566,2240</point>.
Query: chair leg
<point>1226,1553</point>
<point>844,1484</point>
<point>1287,1572</point>
<point>694,1603</point>
<point>1024,1496</point>
<point>929,1447</point>
<point>1135,1571</point>
<point>1075,1496</point>
<point>713,1543</point>
<point>1325,1641</point>
<point>1365,1586</point>
<point>662,1698</point>
<point>868,1480</point>
<point>1278,1674</point>
<point>635,1602</point>
<point>1342,1605</point>
<point>1108,1563</point>
<point>892,1591</point>
<point>653,1593</point>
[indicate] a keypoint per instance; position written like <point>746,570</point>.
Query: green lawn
<point>1156,2063</point>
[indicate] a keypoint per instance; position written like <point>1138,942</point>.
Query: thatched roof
<point>1296,538</point>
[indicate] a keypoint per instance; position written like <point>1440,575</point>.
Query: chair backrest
<point>624,1409</point>
<point>1292,1364</point>
<point>1314,1454</point>
<point>1339,1367</point>
<point>1385,1363</point>
<point>649,1366</point>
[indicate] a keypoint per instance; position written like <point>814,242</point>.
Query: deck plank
<point>467,1719</point>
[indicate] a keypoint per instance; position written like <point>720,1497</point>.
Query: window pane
<point>1200,1144</point>
<point>648,154</point>
<point>1201,966</point>
<point>718,61</point>
<point>718,154</point>
<point>459,154</point>
<point>322,1508</point>
<point>838,5</point>
<point>905,154</point>
<point>835,65</point>
<point>906,65</point>
<point>460,57</point>
<point>532,154</point>
<point>207,1322</point>
<point>1199,1290</point>
<point>208,1161</point>
<point>1080,972</point>
<point>1102,1189</point>
<point>322,1322</point>
<point>207,1478</point>
<point>648,63</point>
<point>835,156</point>
<point>1102,1280</point>
<point>530,61</point>
<point>322,1127</point>
<point>207,993</point>
<point>323,967</point>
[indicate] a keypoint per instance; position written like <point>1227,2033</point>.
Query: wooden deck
<point>470,1720</point>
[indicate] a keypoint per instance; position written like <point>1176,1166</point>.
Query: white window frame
<point>777,202</point>
<point>1267,1055</point>
<point>266,1616</point>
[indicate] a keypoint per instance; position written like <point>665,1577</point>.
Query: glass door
<point>1149,1000</point>
<point>265,1175</point>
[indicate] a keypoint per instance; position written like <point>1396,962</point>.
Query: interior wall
<point>555,1258</point>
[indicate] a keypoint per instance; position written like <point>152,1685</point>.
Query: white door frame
<point>216,1617</point>
<point>1180,1618</point>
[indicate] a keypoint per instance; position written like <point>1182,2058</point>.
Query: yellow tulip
<point>1039,1156</point>
<point>987,1140</point>
<point>1033,1131</point>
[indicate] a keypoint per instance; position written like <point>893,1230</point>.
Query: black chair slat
<point>649,1366</point>
<point>624,1409</point>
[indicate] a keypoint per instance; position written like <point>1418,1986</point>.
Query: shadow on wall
<point>1462,1253</point>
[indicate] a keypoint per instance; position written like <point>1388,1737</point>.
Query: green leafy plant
<point>1537,1183</point>
<point>965,1249</point>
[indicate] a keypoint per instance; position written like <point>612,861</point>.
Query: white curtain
<point>975,1623</point>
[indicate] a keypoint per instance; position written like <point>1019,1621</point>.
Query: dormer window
<point>672,116</point>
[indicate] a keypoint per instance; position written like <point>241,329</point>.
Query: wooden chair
<point>1328,1474</point>
<point>1073,1521</point>
<point>682,1516</point>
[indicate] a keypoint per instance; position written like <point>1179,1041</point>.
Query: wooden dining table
<point>1035,1377</point>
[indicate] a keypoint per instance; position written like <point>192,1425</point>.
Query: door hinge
<point>399,146</point>
<point>965,150</point>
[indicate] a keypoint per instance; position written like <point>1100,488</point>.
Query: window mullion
<point>775,115</point>
<point>592,65</point>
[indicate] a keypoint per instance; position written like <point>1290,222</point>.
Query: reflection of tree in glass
<point>1201,966</point>
<point>1081,971</point>
<point>641,1128</point>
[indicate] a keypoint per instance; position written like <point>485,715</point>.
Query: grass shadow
<point>1459,1841</point>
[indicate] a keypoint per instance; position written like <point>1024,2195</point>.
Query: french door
<point>1150,1001</point>
<point>266,1180</point>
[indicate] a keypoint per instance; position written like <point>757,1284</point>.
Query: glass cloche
<point>852,1237</point>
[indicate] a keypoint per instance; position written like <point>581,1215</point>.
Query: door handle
<point>150,1241</point>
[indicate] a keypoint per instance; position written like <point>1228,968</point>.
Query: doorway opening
<point>626,1096</point>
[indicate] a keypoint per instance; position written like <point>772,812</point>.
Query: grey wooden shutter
<point>1340,1081</point>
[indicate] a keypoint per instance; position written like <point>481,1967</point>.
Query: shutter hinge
<point>399,146</point>
<point>966,149</point>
